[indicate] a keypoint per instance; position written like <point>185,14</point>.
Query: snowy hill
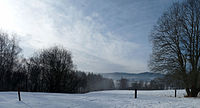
<point>101,99</point>
<point>146,76</point>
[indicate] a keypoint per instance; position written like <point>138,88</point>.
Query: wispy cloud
<point>103,36</point>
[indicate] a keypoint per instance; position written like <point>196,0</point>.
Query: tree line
<point>47,70</point>
<point>162,83</point>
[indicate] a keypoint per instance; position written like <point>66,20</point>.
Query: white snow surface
<point>100,99</point>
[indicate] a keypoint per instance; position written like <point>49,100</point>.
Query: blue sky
<point>103,35</point>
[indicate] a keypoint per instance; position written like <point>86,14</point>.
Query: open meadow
<point>100,99</point>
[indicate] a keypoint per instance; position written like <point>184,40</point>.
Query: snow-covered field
<point>101,99</point>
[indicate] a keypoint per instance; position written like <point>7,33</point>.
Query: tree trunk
<point>188,91</point>
<point>193,92</point>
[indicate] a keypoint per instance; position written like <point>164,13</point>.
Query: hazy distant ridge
<point>146,76</point>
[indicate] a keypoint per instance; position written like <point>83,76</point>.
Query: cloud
<point>103,36</point>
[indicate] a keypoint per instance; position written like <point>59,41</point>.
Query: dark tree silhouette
<point>9,53</point>
<point>176,44</point>
<point>50,69</point>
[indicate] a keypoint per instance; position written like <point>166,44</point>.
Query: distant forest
<point>48,70</point>
<point>162,83</point>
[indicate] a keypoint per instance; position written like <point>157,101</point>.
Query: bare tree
<point>50,68</point>
<point>176,44</point>
<point>9,51</point>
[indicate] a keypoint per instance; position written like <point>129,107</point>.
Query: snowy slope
<point>102,99</point>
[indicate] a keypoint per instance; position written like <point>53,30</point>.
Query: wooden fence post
<point>175,92</point>
<point>19,94</point>
<point>135,93</point>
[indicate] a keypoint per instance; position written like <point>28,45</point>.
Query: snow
<point>100,99</point>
